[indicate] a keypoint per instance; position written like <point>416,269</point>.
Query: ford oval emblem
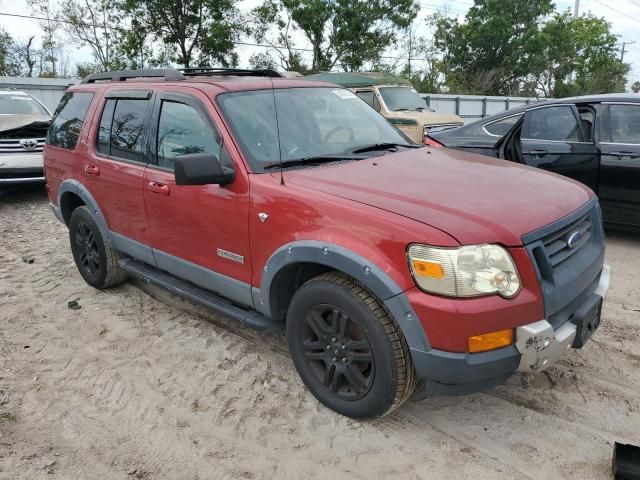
<point>574,239</point>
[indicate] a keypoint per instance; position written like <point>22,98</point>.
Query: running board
<point>187,290</point>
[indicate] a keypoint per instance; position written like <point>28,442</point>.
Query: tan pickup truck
<point>395,99</point>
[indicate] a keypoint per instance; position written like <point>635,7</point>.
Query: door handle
<point>539,153</point>
<point>160,188</point>
<point>92,170</point>
<point>625,154</point>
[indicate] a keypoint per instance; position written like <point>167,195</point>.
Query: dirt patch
<point>139,384</point>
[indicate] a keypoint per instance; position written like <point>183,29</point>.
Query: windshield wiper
<point>383,146</point>
<point>312,160</point>
<point>400,109</point>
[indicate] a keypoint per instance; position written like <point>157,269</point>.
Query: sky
<point>624,16</point>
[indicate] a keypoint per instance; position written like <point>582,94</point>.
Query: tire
<point>347,348</point>
<point>95,258</point>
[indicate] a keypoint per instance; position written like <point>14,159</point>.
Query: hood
<point>23,126</point>
<point>426,118</point>
<point>473,198</point>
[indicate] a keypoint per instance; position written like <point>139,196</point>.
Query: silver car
<point>23,126</point>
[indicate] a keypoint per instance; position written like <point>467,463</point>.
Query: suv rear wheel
<point>347,348</point>
<point>95,258</point>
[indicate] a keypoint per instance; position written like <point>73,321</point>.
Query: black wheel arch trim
<point>352,264</point>
<point>77,188</point>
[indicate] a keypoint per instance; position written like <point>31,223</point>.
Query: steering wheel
<point>337,129</point>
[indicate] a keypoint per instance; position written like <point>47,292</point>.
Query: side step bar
<point>187,290</point>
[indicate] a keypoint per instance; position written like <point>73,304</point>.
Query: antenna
<point>275,106</point>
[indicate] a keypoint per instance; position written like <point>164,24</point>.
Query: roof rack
<point>172,74</point>
<point>168,74</point>
<point>208,71</point>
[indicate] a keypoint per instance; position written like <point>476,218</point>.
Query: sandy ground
<point>140,386</point>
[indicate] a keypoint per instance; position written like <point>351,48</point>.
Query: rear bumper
<point>538,346</point>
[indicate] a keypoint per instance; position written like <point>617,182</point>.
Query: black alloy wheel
<point>338,352</point>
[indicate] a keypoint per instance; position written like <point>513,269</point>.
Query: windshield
<point>310,122</point>
<point>20,104</point>
<point>403,98</point>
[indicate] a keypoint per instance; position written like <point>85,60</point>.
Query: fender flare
<point>352,264</point>
<point>74,186</point>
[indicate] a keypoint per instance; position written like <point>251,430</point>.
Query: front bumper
<point>538,345</point>
<point>21,168</point>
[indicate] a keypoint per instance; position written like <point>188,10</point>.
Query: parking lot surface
<point>139,384</point>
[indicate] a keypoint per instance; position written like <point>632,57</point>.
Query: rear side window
<point>104,130</point>
<point>181,131</point>
<point>68,119</point>
<point>625,124</point>
<point>501,127</point>
<point>552,123</point>
<point>127,129</point>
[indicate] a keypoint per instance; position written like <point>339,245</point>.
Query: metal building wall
<point>472,107</point>
<point>48,90</point>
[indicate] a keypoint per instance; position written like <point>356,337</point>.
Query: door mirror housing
<point>201,169</point>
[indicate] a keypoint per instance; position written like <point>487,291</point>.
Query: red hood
<point>473,198</point>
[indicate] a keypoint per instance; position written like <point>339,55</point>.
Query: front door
<point>553,138</point>
<point>620,163</point>
<point>115,162</point>
<point>198,232</point>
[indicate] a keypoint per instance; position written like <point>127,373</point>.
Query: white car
<point>23,126</point>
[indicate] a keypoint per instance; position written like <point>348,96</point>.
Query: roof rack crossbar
<point>169,74</point>
<point>209,71</point>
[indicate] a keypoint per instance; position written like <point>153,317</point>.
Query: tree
<point>94,23</point>
<point>50,36</point>
<point>635,88</point>
<point>580,57</point>
<point>200,32</point>
<point>27,56</point>
<point>493,49</point>
<point>342,33</point>
<point>8,62</point>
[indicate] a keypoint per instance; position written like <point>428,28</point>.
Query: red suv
<point>290,203</point>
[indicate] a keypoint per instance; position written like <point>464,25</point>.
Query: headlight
<point>464,272</point>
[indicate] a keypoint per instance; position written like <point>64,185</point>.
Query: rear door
<point>198,232</point>
<point>620,163</point>
<point>553,138</point>
<point>115,163</point>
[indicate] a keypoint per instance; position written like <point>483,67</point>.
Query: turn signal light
<point>425,268</point>
<point>490,341</point>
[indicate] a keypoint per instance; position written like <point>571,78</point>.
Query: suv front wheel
<point>95,258</point>
<point>347,348</point>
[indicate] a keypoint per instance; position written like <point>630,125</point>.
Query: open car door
<point>554,138</point>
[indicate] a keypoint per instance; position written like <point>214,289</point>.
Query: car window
<point>552,123</point>
<point>625,123</point>
<point>20,104</point>
<point>402,98</point>
<point>104,130</point>
<point>182,130</point>
<point>309,122</point>
<point>127,129</point>
<point>370,99</point>
<point>586,117</point>
<point>68,119</point>
<point>502,127</point>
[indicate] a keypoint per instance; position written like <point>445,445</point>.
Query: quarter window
<point>127,129</point>
<point>552,123</point>
<point>501,127</point>
<point>181,131</point>
<point>68,120</point>
<point>625,124</point>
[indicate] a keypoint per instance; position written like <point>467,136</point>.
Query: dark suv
<point>289,203</point>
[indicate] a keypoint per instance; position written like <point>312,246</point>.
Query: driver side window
<point>182,130</point>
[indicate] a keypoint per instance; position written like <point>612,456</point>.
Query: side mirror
<point>201,169</point>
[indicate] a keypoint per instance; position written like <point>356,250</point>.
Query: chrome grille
<point>557,246</point>
<point>14,145</point>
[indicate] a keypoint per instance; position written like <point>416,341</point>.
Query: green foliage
<point>342,33</point>
<point>8,62</point>
<point>507,47</point>
<point>193,32</point>
<point>635,88</point>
